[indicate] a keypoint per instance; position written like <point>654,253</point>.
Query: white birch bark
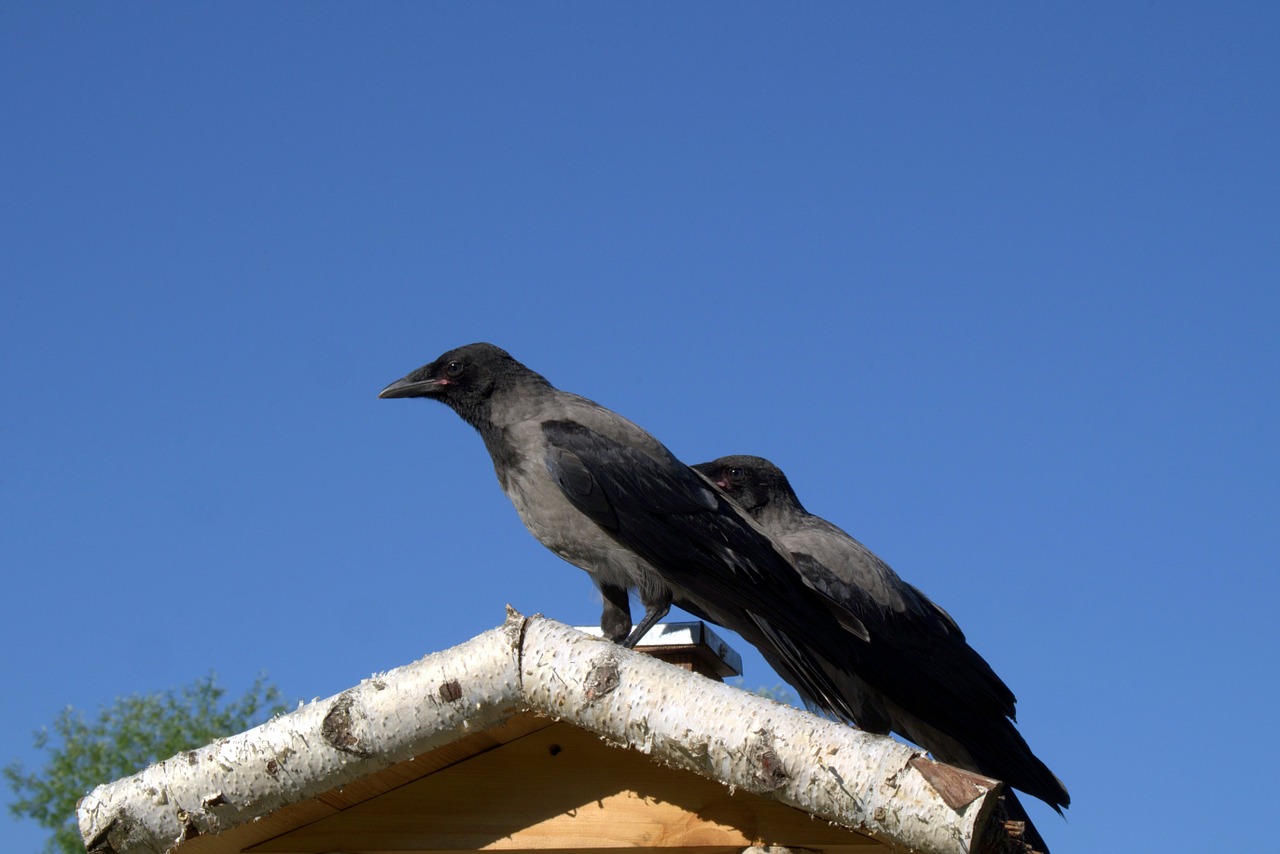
<point>385,719</point>
<point>866,782</point>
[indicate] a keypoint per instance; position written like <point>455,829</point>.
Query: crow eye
<point>454,369</point>
<point>736,473</point>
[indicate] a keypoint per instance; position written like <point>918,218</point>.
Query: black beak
<point>411,387</point>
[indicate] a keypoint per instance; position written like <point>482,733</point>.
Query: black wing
<point>662,510</point>
<point>919,658</point>
<point>922,641</point>
<point>716,561</point>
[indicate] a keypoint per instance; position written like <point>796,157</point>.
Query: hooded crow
<point>609,498</point>
<point>916,675</point>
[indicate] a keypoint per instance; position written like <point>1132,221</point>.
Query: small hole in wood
<point>553,749</point>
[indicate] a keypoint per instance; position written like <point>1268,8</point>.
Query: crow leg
<point>615,620</point>
<point>653,612</point>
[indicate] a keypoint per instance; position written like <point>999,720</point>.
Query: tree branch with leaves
<point>121,739</point>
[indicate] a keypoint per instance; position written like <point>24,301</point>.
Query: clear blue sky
<point>998,285</point>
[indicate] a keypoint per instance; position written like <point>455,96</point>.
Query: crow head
<point>752,482</point>
<point>465,380</point>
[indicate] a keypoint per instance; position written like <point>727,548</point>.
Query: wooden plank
<point>428,763</point>
<point>330,803</point>
<point>561,788</point>
<point>241,838</point>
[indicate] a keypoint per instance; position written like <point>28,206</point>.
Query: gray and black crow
<point>609,498</point>
<point>917,675</point>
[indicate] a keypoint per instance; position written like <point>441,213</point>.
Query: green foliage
<point>122,739</point>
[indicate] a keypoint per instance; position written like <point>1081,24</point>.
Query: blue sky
<point>996,284</point>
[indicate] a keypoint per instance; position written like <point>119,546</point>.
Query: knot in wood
<point>338,727</point>
<point>768,771</point>
<point>602,679</point>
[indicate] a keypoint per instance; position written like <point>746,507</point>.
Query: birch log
<point>866,782</point>
<point>323,745</point>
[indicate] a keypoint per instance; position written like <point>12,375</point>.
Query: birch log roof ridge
<point>397,727</point>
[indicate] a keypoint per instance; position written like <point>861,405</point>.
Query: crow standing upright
<point>609,498</point>
<point>917,676</point>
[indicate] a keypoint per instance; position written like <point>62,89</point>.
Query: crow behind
<point>917,675</point>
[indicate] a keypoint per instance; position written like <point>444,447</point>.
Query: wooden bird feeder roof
<point>536,737</point>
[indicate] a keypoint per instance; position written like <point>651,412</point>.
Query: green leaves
<point>122,739</point>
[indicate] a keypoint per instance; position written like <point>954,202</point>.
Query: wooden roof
<point>562,788</point>
<point>535,736</point>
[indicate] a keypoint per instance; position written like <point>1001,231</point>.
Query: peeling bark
<point>318,747</point>
<point>866,782</point>
<point>856,779</point>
